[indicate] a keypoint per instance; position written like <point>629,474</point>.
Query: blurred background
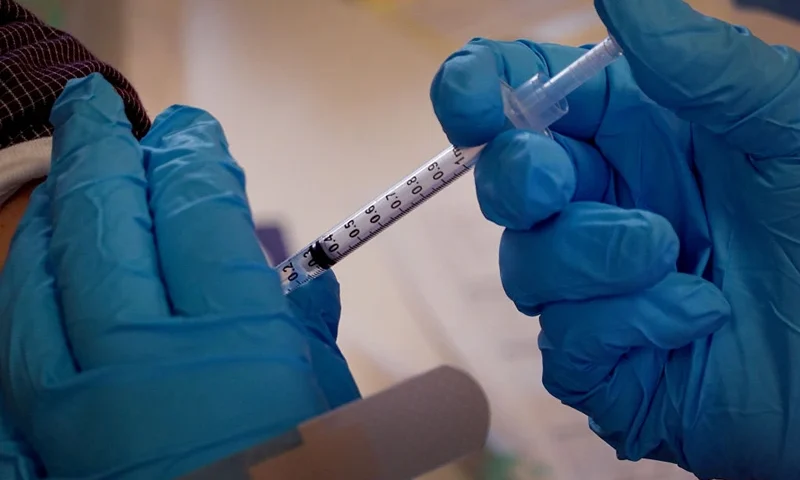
<point>325,104</point>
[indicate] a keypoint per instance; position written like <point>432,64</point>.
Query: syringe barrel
<point>582,70</point>
<point>379,214</point>
<point>534,105</point>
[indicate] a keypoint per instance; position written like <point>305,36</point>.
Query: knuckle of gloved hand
<point>586,251</point>
<point>466,96</point>
<point>641,250</point>
<point>568,379</point>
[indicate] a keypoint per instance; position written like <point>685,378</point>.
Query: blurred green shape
<point>50,11</point>
<point>499,466</point>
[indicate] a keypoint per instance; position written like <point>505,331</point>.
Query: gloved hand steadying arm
<point>657,234</point>
<point>142,332</point>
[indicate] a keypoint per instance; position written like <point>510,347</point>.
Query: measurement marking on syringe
<point>413,190</point>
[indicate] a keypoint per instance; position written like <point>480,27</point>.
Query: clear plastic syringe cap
<point>529,107</point>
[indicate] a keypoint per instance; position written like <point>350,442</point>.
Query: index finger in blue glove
<point>466,90</point>
<point>523,178</point>
<point>211,259</point>
<point>711,73</point>
<point>102,244</point>
<point>589,250</point>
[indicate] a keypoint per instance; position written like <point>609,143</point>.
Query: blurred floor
<point>324,104</point>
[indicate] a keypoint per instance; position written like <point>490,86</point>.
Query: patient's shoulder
<point>36,62</point>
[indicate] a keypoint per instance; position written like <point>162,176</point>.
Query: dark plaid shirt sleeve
<point>36,61</point>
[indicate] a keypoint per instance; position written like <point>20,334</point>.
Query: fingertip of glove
<point>675,312</point>
<point>319,301</point>
<point>178,118</point>
<point>650,242</point>
<point>92,99</point>
<point>699,300</point>
<point>184,114</point>
<point>466,96</point>
<point>523,178</point>
<point>675,52</point>
<point>653,26</point>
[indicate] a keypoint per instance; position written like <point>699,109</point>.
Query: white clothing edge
<point>23,162</point>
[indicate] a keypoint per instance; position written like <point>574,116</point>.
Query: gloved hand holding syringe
<point>534,105</point>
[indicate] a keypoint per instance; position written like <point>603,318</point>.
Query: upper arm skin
<point>10,214</point>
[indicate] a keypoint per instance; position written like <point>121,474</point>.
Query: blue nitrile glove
<point>17,460</point>
<point>143,333</point>
<point>658,234</point>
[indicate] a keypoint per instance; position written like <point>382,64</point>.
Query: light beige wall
<point>99,25</point>
<point>142,38</point>
<point>153,44</point>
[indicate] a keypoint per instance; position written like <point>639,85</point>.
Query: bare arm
<point>10,214</point>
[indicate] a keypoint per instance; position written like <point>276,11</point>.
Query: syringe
<point>534,106</point>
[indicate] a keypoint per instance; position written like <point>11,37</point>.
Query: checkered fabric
<point>36,61</point>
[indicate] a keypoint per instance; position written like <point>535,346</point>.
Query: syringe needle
<point>534,105</point>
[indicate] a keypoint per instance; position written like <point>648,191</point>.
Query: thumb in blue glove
<point>656,233</point>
